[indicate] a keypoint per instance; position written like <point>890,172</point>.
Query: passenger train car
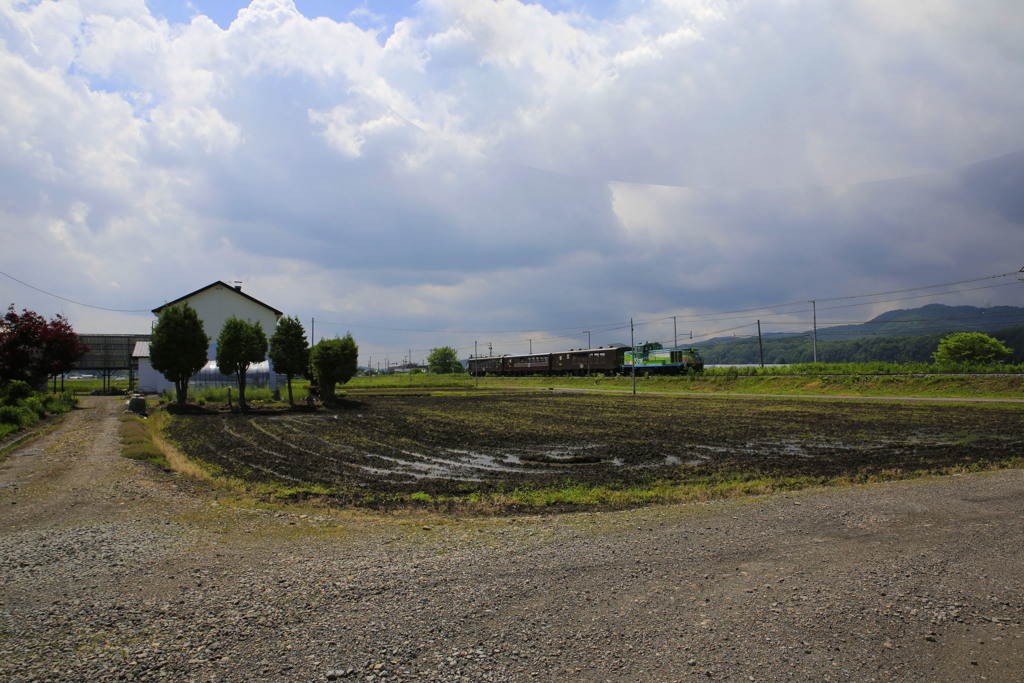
<point>649,358</point>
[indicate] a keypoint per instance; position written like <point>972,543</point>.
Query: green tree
<point>444,360</point>
<point>239,345</point>
<point>178,347</point>
<point>333,361</point>
<point>970,347</point>
<point>289,351</point>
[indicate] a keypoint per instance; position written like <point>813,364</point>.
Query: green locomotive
<point>653,358</point>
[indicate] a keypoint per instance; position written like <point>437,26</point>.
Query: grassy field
<point>934,386</point>
<point>838,380</point>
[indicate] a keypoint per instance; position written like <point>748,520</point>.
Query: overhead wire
<point>771,310</point>
<point>72,301</point>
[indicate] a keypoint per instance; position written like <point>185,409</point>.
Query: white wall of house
<point>214,306</point>
<point>150,381</point>
<point>218,303</point>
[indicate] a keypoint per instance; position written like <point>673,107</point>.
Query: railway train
<point>649,358</point>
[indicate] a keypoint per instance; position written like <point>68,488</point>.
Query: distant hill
<point>931,319</point>
<point>898,336</point>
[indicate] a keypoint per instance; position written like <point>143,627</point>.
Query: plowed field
<point>387,447</point>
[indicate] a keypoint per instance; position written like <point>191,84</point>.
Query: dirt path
<point>116,570</point>
<point>71,473</point>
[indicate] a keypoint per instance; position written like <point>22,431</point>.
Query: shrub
<point>35,404</point>
<point>9,415</point>
<point>17,415</point>
<point>57,404</point>
<point>17,391</point>
<point>970,347</point>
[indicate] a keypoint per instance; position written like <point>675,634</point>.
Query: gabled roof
<point>239,292</point>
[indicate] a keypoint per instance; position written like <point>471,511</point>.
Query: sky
<point>512,175</point>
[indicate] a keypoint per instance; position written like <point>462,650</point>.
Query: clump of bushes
<point>21,407</point>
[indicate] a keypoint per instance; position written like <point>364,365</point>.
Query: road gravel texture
<point>115,570</point>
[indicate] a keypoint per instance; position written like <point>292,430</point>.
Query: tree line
<point>179,346</point>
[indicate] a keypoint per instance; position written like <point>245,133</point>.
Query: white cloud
<point>568,166</point>
<point>177,127</point>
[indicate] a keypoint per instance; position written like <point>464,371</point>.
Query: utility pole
<point>531,346</point>
<point>490,349</point>
<point>476,365</point>
<point>759,345</point>
<point>312,331</point>
<point>632,343</point>
<point>675,335</point>
<point>587,332</point>
<point>814,309</point>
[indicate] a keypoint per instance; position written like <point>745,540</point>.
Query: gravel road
<point>114,570</point>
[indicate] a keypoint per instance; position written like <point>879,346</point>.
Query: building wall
<point>215,305</point>
<point>151,381</point>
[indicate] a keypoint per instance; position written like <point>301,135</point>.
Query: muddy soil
<point>461,444</point>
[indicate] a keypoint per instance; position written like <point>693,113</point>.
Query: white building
<point>214,304</point>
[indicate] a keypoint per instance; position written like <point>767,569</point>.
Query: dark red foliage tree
<point>33,350</point>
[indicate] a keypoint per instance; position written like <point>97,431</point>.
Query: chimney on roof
<point>238,285</point>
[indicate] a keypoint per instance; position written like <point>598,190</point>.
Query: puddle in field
<point>460,465</point>
<point>467,465</point>
<point>504,463</point>
<point>676,460</point>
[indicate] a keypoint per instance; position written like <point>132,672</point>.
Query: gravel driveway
<point>116,570</point>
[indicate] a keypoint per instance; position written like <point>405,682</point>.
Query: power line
<point>917,289</point>
<point>72,301</point>
<point>709,317</point>
<point>918,296</point>
<point>603,327</point>
<point>767,310</point>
